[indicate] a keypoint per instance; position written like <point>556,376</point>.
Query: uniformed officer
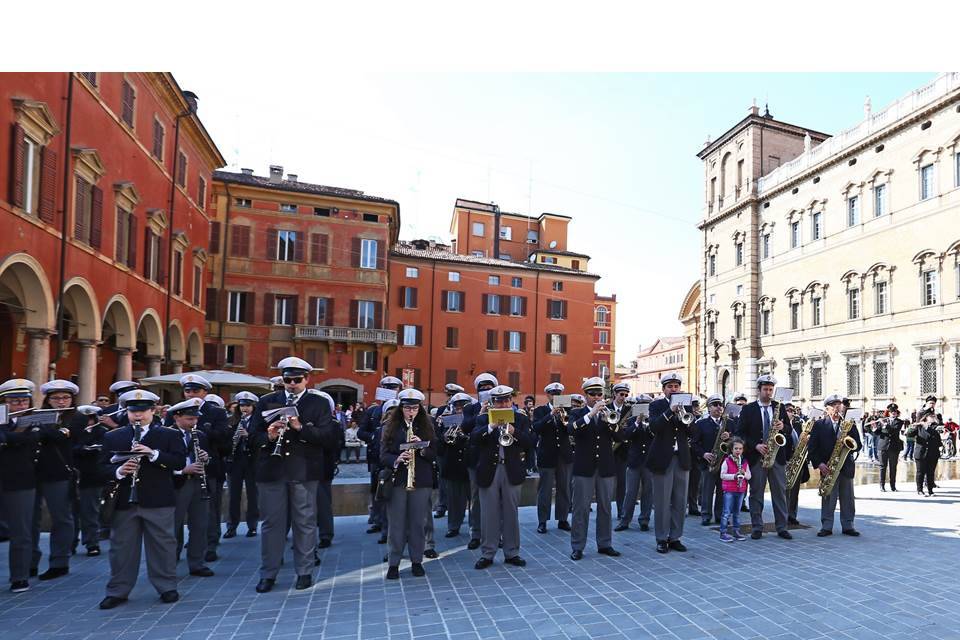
<point>113,415</point>
<point>795,422</point>
<point>450,389</point>
<point>290,461</point>
<point>702,440</point>
<point>500,472</point>
<point>242,470</point>
<point>331,460</point>
<point>669,462</point>
<point>554,456</point>
<point>18,480</point>
<point>453,469</point>
<point>192,484</point>
<point>639,478</point>
<point>277,382</point>
<point>370,432</point>
<point>621,391</point>
<point>145,520</point>
<point>55,480</point>
<point>820,446</point>
<point>483,383</point>
<point>889,445</point>
<point>87,446</point>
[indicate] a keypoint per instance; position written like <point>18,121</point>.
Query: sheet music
<point>640,410</point>
<point>484,397</point>
<point>681,399</point>
<point>733,409</point>
<point>563,402</point>
<point>3,414</point>
<point>385,394</point>
<point>452,420</point>
<point>783,395</point>
<point>501,416</point>
<point>853,414</point>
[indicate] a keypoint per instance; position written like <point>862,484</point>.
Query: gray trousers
<point>325,509</point>
<point>17,507</point>
<point>214,513</point>
<point>90,516</point>
<point>777,476</point>
<point>670,501</point>
<point>277,499</point>
<point>551,478</point>
<point>428,525</point>
<point>475,519</point>
<point>195,513</point>
<point>584,489</point>
<point>843,489</point>
<point>458,494</point>
<point>57,497</point>
<point>407,512</point>
<point>639,482</point>
<point>793,500</point>
<point>132,531</point>
<point>710,488</point>
<point>499,507</point>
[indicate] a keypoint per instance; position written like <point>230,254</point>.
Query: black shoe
<point>823,533</point>
<point>676,545</point>
<point>563,525</point>
<point>621,527</point>
<point>892,488</point>
<point>786,535</point>
<point>516,561</point>
<point>474,544</point>
<point>202,572</point>
<point>756,535</point>
<point>382,540</point>
<point>35,571</point>
<point>374,529</point>
<point>393,573</point>
<point>93,551</point>
<point>744,508</point>
<point>694,512</point>
<point>324,544</point>
<point>231,532</point>
<point>705,523</point>
<point>4,538</point>
<point>644,526</point>
<point>930,494</point>
<point>303,582</point>
<point>662,546</point>
<point>883,488</point>
<point>169,597</point>
<point>211,556</point>
<point>919,493</point>
<point>417,570</point>
<point>792,521</point>
<point>851,532</point>
<point>22,585</point>
<point>386,557</point>
<point>252,533</point>
<point>431,553</point>
<point>542,528</point>
<point>483,563</point>
<point>111,601</point>
<point>54,572</point>
<point>608,551</point>
<point>452,534</point>
<point>500,544</point>
<point>576,555</point>
<point>265,585</point>
<point>440,513</point>
<point>316,558</point>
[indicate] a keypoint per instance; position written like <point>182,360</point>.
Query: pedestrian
<point>735,476</point>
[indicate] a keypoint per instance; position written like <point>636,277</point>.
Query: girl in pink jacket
<point>735,478</point>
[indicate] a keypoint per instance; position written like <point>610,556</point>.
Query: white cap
<point>643,398</point>
<point>324,394</point>
<point>489,378</point>
<point>215,399</point>
<point>716,397</point>
<point>17,387</point>
<point>577,397</point>
<point>830,399</point>
<point>190,405</point>
<point>59,385</point>
<point>452,388</point>
<point>410,396</point>
<point>766,379</point>
<point>193,380</point>
<point>294,364</point>
<point>501,391</point>
<point>621,386</point>
<point>460,397</point>
<point>389,404</point>
<point>554,387</point>
<point>591,383</point>
<point>139,399</point>
<point>123,385</point>
<point>276,380</point>
<point>384,381</point>
<point>739,395</point>
<point>245,396</point>
<point>89,410</point>
<point>670,376</point>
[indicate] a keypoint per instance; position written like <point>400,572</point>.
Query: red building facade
<point>104,251</point>
<point>605,336</point>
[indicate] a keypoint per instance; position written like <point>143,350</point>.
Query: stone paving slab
<point>895,581</point>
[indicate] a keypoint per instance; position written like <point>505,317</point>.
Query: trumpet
<point>505,438</point>
<point>686,417</point>
<point>561,415</point>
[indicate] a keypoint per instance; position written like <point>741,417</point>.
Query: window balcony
<point>345,334</point>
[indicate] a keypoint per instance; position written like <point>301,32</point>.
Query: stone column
<point>153,366</point>
<point>88,371</point>
<point>124,364</point>
<point>38,358</point>
<point>176,367</point>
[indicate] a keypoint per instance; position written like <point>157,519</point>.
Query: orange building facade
<point>605,336</point>
<point>104,250</point>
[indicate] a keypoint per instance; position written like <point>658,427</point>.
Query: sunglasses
<point>296,380</point>
<point>594,393</point>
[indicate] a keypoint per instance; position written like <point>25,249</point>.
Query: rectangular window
<point>368,254</point>
<point>320,313</point>
<point>926,181</point>
<point>128,101</point>
<point>240,241</point>
<point>738,326</point>
<point>513,379</point>
<point>453,276</point>
<point>817,311</point>
<point>604,336</point>
<point>365,314</point>
<point>288,208</point>
<point>453,338</point>
<point>817,225</point>
<point>83,205</point>
<point>236,306</point>
<point>929,288</point>
<point>712,264</point>
<point>242,203</point>
<point>122,252</point>
<point>765,245</point>
<point>879,200</point>
<point>197,284</point>
<point>201,192</point>
<point>556,343</point>
<point>454,301</point>
<point>516,282</point>
<point>478,254</point>
<point>90,77</point>
<point>284,310</point>
<point>853,304</point>
<point>232,354</point>
<point>853,211</point>
<point>450,376</point>
<point>178,273</point>
<point>556,309</point>
<point>880,385</point>
<point>492,306</point>
<point>533,237</point>
<point>557,285</point>
<point>31,175</point>
<point>409,335</point>
<point>409,297</point>
<point>181,169</point>
<point>816,382</point>
<point>548,260</point>
<point>794,317</point>
<point>765,322</point>
<point>286,245</point>
<point>853,379</point>
<point>880,297</point>
<point>711,332</point>
<point>371,217</point>
<point>158,135</point>
<point>366,360</point>
<point>478,228</point>
<point>323,212</point>
<point>493,281</point>
<point>152,259</point>
<point>739,290</point>
<point>412,272</point>
<point>513,340</point>
<point>928,375</point>
<point>516,306</point>
<point>506,233</point>
<point>794,234</point>
<point>739,253</point>
<point>491,339</point>
<point>794,377</point>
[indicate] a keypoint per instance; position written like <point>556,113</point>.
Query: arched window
<point>602,316</point>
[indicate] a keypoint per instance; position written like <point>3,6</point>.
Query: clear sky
<point>617,152</point>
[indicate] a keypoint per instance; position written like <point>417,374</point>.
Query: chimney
<point>191,99</point>
<point>753,108</point>
<point>291,177</point>
<point>246,172</point>
<point>276,173</point>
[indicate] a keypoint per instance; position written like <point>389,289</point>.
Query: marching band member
<point>621,391</point>
<point>55,477</point>
<point>331,460</point>
<point>554,457</point>
<point>409,505</point>
<point>113,415</point>
<point>823,439</point>
<point>483,383</point>
<point>927,452</point>
<point>702,440</point>
<point>889,445</point>
<point>453,470</point>
<point>144,522</point>
<point>86,452</point>
<point>190,483</point>
<point>669,461</point>
<point>370,432</point>
<point>451,389</point>
<point>795,423</point>
<point>242,467</point>
<point>500,473</point>
<point>639,479</point>
<point>18,480</point>
<point>757,420</point>
<point>290,461</point>
<point>594,471</point>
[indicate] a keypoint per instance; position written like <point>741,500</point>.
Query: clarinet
<point>135,477</point>
<point>237,438</point>
<point>195,442</point>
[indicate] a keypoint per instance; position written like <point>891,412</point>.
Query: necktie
<point>766,421</point>
<point>187,440</point>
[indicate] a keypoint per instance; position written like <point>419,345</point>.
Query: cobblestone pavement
<point>895,581</point>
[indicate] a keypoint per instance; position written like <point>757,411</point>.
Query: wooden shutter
<point>548,341</point>
<point>523,341</point>
<point>402,297</point>
<point>17,166</point>
<point>299,244</point>
<point>147,252</point>
<point>158,140</point>
<point>381,254</point>
<point>214,237</point>
<point>413,297</point>
<point>523,306</point>
<point>245,242</point>
<point>328,318</point>
<point>355,252</point>
<point>250,304</point>
<point>80,206</point>
<point>211,354</point>
<point>48,187</point>
<point>463,301</point>
<point>132,243</point>
<point>96,217</point>
<point>312,303</point>
<point>162,261</point>
<point>126,107</point>
<point>491,339</point>
<point>443,300</point>
<point>268,307</point>
<point>324,248</point>
<point>419,340</point>
<point>295,309</point>
<point>118,234</point>
<point>378,315</point>
<point>319,247</point>
<point>213,312</point>
<point>354,312</point>
<point>505,305</point>
<point>506,340</point>
<point>238,355</point>
<point>271,248</point>
<point>451,337</point>
<point>485,303</point>
<point>513,378</point>
<point>563,343</point>
<point>563,308</point>
<point>236,233</point>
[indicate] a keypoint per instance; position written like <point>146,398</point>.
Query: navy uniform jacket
<point>928,443</point>
<point>594,439</point>
<point>703,435</point>
<point>487,450</point>
<point>822,441</point>
<point>667,430</point>
<point>369,432</point>
<point>155,487</point>
<point>454,456</point>
<point>471,413</point>
<point>243,449</point>
<point>55,460</point>
<point>423,469</point>
<point>214,422</point>
<point>553,441</point>
<point>888,435</point>
<point>204,441</point>
<point>751,430</point>
<point>638,434</point>
<point>303,451</point>
<point>88,459</point>
<point>18,467</point>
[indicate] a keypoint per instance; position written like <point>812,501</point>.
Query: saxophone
<point>799,458</point>
<point>775,439</point>
<point>844,445</point>
<point>720,447</point>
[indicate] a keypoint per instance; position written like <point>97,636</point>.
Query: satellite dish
<point>553,244</point>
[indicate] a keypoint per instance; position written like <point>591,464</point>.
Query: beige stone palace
<point>833,262</point>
